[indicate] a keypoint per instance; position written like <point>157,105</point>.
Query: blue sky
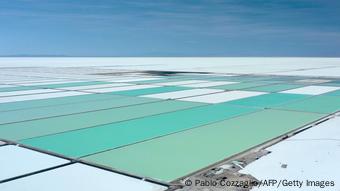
<point>170,28</point>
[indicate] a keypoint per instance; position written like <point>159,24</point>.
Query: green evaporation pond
<point>174,156</point>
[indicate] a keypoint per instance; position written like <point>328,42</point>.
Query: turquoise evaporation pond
<point>88,141</point>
